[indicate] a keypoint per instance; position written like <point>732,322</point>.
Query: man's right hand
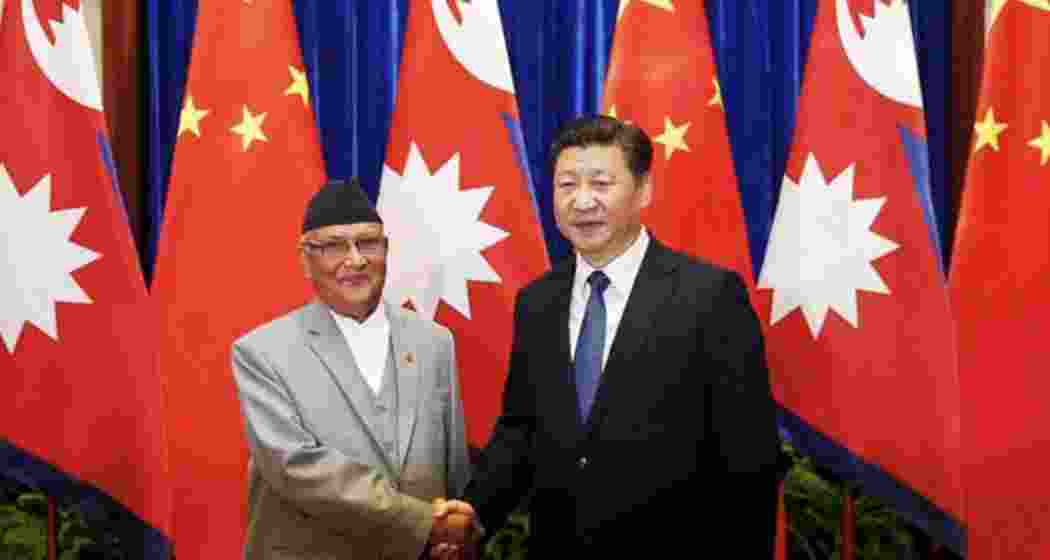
<point>454,535</point>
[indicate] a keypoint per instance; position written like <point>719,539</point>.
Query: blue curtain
<point>352,51</point>
<point>169,37</point>
<point>559,51</point>
<point>760,47</point>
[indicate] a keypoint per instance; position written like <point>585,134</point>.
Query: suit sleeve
<point>743,424</point>
<point>505,471</point>
<point>345,496</point>
<point>458,459</point>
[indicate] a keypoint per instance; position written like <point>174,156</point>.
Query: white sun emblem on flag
<point>38,259</point>
<point>436,235</point>
<point>821,248</point>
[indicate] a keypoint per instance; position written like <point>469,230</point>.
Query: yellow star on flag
<point>995,8</point>
<point>988,131</point>
<point>623,6</point>
<point>717,99</point>
<point>250,128</point>
<point>673,137</point>
<point>665,4</point>
<point>299,85</point>
<point>612,113</point>
<point>1043,143</point>
<point>1041,4</point>
<point>190,117</point>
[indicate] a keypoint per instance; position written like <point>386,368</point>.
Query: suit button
<point>582,463</point>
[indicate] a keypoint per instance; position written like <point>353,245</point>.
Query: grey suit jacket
<point>320,484</point>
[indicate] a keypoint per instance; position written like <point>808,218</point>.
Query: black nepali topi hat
<point>339,202</point>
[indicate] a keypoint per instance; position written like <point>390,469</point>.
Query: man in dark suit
<point>637,412</point>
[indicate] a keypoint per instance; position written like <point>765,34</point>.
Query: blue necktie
<point>591,344</point>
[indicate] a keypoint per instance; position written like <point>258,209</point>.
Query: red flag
<point>246,162</point>
<point>77,331</point>
<point>456,197</point>
<point>1000,280</point>
<point>859,333</point>
<point>662,77</point>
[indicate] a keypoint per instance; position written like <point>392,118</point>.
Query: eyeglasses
<point>339,249</point>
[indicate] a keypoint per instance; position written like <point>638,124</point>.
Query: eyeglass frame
<point>351,244</point>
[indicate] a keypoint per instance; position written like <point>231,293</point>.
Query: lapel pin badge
<point>409,358</point>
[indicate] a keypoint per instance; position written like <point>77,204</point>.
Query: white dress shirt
<point>621,271</point>
<point>369,342</point>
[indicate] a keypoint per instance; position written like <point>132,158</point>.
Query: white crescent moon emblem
<point>478,43</point>
<point>885,57</point>
<point>68,64</point>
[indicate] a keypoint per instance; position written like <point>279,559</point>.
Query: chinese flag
<point>247,160</point>
<point>859,332</point>
<point>662,77</point>
<point>1000,281</point>
<point>455,196</point>
<point>80,409</point>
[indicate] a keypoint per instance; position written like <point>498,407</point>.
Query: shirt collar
<point>621,271</point>
<point>376,321</point>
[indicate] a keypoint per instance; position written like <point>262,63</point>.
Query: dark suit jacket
<point>680,448</point>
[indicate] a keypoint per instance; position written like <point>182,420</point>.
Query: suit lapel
<point>406,355</point>
<point>651,288</point>
<point>566,381</point>
<point>331,348</point>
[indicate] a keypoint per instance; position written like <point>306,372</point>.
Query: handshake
<point>455,533</point>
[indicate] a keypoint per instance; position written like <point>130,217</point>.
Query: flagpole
<point>849,524</point>
<point>52,527</point>
<point>782,524</point>
<point>784,465</point>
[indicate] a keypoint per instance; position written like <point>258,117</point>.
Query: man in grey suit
<point>351,406</point>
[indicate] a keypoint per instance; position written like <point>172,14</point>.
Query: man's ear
<point>647,190</point>
<point>305,262</point>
